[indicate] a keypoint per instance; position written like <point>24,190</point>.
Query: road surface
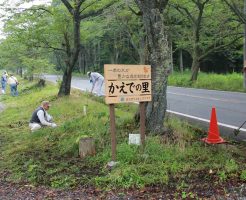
<point>195,105</point>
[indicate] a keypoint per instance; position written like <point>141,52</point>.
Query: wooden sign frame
<point>125,84</point>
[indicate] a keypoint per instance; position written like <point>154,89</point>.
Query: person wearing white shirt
<point>13,82</point>
<point>97,81</point>
<point>40,117</point>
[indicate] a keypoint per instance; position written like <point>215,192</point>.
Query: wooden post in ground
<point>113,131</point>
<point>87,147</point>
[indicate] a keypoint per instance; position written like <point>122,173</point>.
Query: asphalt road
<point>195,106</point>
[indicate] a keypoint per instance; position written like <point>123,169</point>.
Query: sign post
<point>113,131</point>
<point>127,84</point>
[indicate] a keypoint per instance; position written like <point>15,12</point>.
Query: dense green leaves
<point>203,28</point>
<point>116,35</point>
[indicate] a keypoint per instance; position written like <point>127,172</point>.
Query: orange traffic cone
<point>213,134</point>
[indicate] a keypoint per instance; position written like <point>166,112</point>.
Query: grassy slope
<point>228,82</point>
<point>50,156</point>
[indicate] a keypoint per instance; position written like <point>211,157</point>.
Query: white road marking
<point>205,120</point>
<point>217,91</point>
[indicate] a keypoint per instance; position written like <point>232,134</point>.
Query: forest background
<point>205,31</point>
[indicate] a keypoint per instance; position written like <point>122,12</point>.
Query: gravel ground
<point>11,191</point>
<point>14,191</point>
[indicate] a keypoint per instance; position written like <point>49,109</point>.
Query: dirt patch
<point>13,191</point>
<point>196,188</point>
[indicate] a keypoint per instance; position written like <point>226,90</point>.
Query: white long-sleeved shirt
<point>42,119</point>
<point>95,76</point>
<point>12,80</point>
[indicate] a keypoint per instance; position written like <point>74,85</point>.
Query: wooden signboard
<point>127,83</point>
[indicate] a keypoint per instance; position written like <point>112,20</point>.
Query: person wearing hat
<point>4,79</point>
<point>13,82</point>
<point>97,81</point>
<point>41,118</point>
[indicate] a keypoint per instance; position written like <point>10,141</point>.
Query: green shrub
<point>63,181</point>
<point>243,175</point>
<point>231,166</point>
<point>226,82</point>
<point>222,175</point>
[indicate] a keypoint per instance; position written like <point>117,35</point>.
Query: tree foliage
<point>200,34</point>
<point>23,46</point>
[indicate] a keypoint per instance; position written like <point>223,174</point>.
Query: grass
<point>226,82</point>
<point>50,156</point>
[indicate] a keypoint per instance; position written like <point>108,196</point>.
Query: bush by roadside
<point>226,82</point>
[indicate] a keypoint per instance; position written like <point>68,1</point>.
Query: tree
<point>20,50</point>
<point>206,35</point>
<point>159,59</point>
<point>79,10</point>
<point>103,40</point>
<point>115,37</point>
<point>237,8</point>
<point>132,28</point>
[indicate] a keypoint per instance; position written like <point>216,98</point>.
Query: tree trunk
<point>20,71</point>
<point>171,56</point>
<point>80,62</point>
<point>244,77</point>
<point>65,87</point>
<point>181,65</point>
<point>244,51</point>
<point>142,51</point>
<point>194,69</point>
<point>72,53</point>
<point>195,62</point>
<point>41,83</point>
<point>85,63</point>
<point>153,19</point>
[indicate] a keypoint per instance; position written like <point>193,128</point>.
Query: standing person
<point>4,79</point>
<point>13,82</point>
<point>97,81</point>
<point>40,117</point>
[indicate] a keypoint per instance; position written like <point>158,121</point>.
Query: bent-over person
<point>97,81</point>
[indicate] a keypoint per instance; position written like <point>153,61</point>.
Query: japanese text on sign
<point>127,83</point>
